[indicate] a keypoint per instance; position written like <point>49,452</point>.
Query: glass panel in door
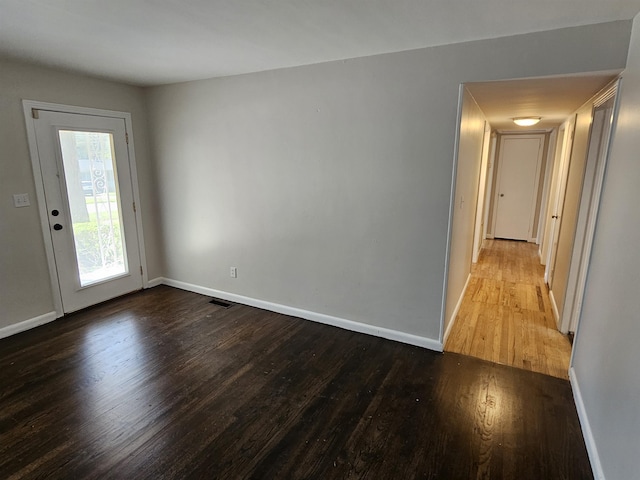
<point>91,179</point>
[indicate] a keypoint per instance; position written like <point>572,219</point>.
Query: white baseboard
<point>452,320</point>
<point>359,327</point>
<point>554,307</point>
<point>154,282</point>
<point>27,324</point>
<point>589,441</point>
<point>540,256</point>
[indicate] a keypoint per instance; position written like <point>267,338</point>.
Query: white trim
<point>557,208</point>
<point>452,320</point>
<point>587,434</point>
<point>554,307</point>
<point>27,324</point>
<point>27,106</point>
<point>572,315</point>
<point>478,230</point>
<point>61,108</point>
<point>489,188</point>
<point>546,187</point>
<point>452,201</point>
<point>502,131</point>
<point>42,207</point>
<point>382,332</point>
<point>607,93</point>
<point>533,236</point>
<point>133,171</point>
<point>154,282</point>
<point>554,164</point>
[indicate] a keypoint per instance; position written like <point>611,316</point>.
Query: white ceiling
<point>152,42</point>
<point>552,98</point>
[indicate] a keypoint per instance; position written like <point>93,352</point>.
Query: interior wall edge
<point>452,319</point>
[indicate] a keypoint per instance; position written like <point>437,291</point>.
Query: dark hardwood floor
<point>162,384</point>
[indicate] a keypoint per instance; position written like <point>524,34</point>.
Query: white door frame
<point>555,210</point>
<point>590,205</point>
<point>478,233</point>
<point>546,188</point>
<point>553,167</point>
<point>29,106</point>
<point>489,188</point>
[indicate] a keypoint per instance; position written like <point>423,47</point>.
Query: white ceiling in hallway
<point>552,98</point>
<point>152,42</point>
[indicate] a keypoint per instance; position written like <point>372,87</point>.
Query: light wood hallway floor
<point>506,315</point>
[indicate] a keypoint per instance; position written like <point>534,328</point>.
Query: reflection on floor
<point>506,314</point>
<point>163,385</point>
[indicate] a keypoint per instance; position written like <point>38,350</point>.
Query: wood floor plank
<point>164,385</point>
<point>522,332</point>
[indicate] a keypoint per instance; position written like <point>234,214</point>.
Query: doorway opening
<point>500,307</point>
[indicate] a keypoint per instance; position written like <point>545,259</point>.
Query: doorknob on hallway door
<point>57,226</point>
<point>502,194</point>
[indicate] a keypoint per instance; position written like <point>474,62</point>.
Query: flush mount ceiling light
<point>526,121</point>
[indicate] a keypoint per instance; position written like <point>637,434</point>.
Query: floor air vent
<point>221,303</point>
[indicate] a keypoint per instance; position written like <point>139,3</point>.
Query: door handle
<point>57,226</point>
<point>55,213</point>
<point>502,194</point>
<point>554,216</point>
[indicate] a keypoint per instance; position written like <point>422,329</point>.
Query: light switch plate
<point>21,200</point>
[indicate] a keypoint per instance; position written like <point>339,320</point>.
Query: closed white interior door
<point>557,210</point>
<point>518,174</point>
<point>84,162</point>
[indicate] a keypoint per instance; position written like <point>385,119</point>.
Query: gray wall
<point>25,290</point>
<point>606,355</point>
<point>328,186</point>
<point>465,203</point>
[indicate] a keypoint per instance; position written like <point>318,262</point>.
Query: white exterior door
<point>517,186</point>
<point>88,192</point>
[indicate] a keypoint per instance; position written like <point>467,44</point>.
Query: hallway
<point>506,314</point>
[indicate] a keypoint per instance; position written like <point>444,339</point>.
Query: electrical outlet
<point>234,272</point>
<point>21,200</point>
